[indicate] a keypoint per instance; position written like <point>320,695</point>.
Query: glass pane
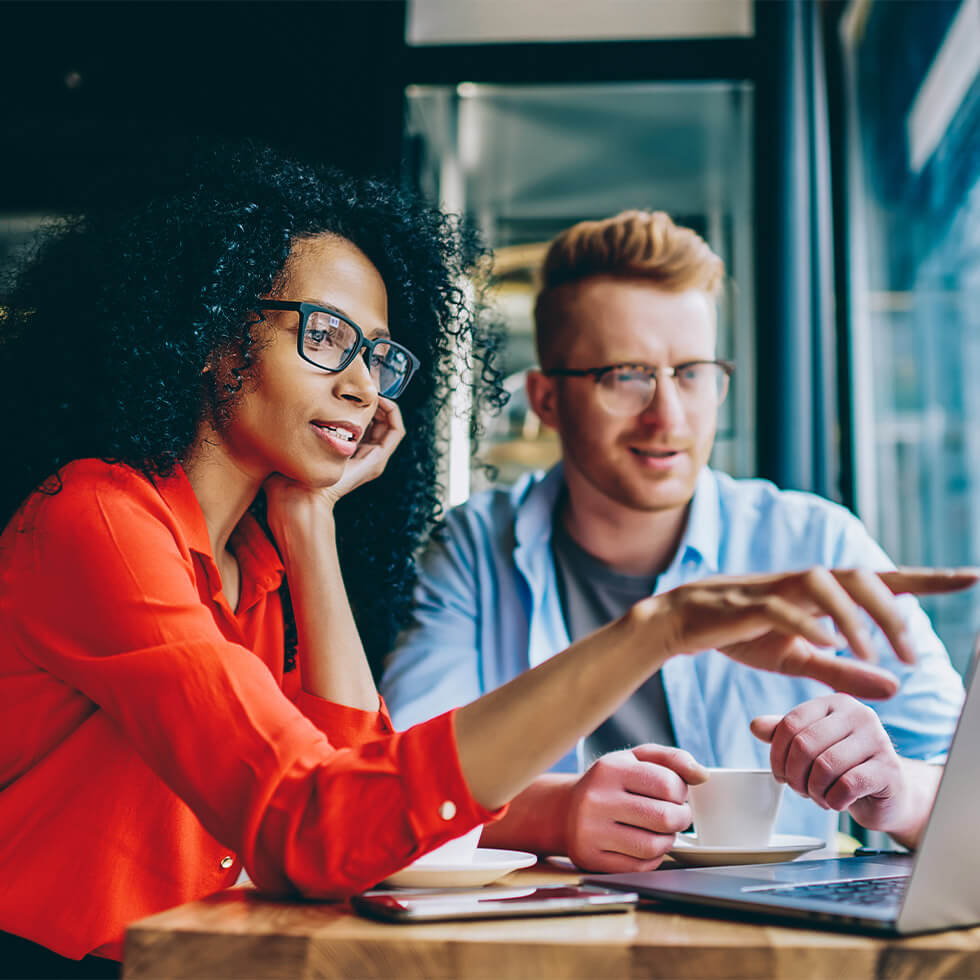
<point>915,245</point>
<point>525,162</point>
<point>17,235</point>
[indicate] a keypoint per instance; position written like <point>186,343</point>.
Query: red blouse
<point>150,743</point>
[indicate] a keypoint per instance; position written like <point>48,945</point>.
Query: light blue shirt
<point>487,608</point>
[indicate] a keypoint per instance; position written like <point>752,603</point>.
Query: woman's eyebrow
<point>334,308</point>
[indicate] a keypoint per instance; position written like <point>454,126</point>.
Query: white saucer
<point>782,847</point>
<point>487,865</point>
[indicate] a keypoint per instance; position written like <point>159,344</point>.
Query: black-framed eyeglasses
<point>331,341</point>
<point>627,389</point>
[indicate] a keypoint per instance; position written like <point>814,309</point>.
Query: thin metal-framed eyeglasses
<point>330,340</point>
<point>627,389</point>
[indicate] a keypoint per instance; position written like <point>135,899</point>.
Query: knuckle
<point>823,768</point>
<point>800,755</point>
<point>864,712</point>
<point>651,848</point>
<point>815,576</point>
<point>675,790</point>
<point>850,786</point>
<point>657,816</point>
<point>794,725</point>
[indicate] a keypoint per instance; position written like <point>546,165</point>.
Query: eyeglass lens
<point>627,391</point>
<point>329,342</point>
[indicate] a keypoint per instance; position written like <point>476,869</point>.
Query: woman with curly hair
<point>193,389</point>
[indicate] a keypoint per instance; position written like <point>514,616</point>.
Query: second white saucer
<point>488,865</point>
<point>782,847</point>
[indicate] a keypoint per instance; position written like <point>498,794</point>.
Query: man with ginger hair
<point>630,380</point>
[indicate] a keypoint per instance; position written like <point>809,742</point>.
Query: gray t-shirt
<point>592,595</point>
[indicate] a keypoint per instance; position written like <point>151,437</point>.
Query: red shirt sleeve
<point>313,796</point>
<point>345,725</point>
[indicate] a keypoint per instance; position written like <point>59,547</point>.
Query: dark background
<point>107,94</point>
<point>95,93</point>
<point>108,98</point>
<point>100,98</point>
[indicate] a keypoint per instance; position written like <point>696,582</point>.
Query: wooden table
<point>238,934</point>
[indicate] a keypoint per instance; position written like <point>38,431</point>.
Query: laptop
<point>937,887</point>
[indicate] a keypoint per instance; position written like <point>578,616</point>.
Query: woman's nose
<point>355,383</point>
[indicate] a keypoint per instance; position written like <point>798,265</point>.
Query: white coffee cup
<point>461,850</point>
<point>735,807</point>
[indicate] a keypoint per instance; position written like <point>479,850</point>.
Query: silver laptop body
<point>937,887</point>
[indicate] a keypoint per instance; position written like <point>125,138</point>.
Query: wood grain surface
<point>239,934</point>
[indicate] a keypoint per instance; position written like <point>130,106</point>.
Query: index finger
<point>393,416</point>
<point>930,581</point>
<point>387,427</point>
<point>862,680</point>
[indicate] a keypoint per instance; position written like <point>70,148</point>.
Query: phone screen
<point>491,903</point>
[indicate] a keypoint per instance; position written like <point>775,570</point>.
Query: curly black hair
<point>107,326</point>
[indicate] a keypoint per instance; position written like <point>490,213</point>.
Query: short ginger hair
<point>636,245</point>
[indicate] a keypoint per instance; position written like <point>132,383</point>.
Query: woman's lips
<point>339,438</point>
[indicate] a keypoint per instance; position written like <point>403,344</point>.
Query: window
<point>914,242</point>
<point>527,161</point>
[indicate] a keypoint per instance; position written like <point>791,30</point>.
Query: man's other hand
<point>835,751</point>
<point>625,810</point>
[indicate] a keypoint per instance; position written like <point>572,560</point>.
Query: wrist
<point>546,814</point>
<point>920,782</point>
<point>537,818</point>
<point>914,797</point>
<point>303,532</point>
<point>651,623</point>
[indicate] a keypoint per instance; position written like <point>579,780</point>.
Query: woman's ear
<point>542,396</point>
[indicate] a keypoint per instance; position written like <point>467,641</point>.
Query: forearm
<point>536,818</point>
<point>333,665</point>
<point>509,736</point>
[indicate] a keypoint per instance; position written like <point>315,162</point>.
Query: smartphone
<point>484,903</point>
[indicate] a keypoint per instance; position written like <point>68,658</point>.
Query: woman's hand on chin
<point>379,441</point>
<point>291,504</point>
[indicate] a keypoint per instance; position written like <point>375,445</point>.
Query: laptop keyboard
<point>859,891</point>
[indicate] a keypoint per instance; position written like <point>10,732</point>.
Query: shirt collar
<point>702,535</point>
<point>536,509</point>
<point>260,563</point>
<point>179,496</point>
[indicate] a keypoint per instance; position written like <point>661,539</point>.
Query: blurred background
<point>828,151</point>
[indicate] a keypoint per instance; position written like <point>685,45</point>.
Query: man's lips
<point>657,452</point>
<point>658,458</point>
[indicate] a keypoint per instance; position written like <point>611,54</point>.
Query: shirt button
<point>447,810</point>
<point>226,862</point>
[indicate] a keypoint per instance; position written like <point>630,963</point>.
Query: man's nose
<point>666,407</point>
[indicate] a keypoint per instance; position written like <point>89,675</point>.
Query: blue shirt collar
<point>538,497</point>
<point>703,533</point>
